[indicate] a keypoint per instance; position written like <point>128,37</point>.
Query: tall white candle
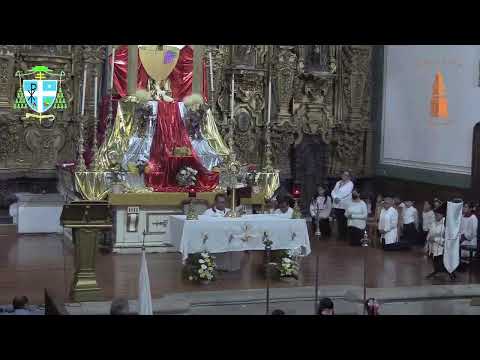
<point>95,97</point>
<point>84,88</point>
<point>112,70</point>
<point>211,69</point>
<point>269,99</point>
<point>232,100</point>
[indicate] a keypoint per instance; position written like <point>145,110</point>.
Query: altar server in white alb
<point>410,222</point>
<point>342,196</point>
<point>468,228</point>
<point>387,225</point>
<point>284,210</point>
<point>218,209</point>
<point>435,244</point>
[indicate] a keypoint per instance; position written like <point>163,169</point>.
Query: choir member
<point>436,241</point>
<point>468,228</point>
<point>218,209</point>
<point>388,225</point>
<point>357,214</point>
<point>342,196</point>
<point>428,218</point>
<point>321,206</point>
<point>410,222</point>
<point>284,210</point>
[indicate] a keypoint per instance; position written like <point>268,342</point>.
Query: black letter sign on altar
<point>475,178</point>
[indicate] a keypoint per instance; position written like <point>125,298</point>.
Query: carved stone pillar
<point>285,69</point>
<point>198,53</point>
<point>132,70</point>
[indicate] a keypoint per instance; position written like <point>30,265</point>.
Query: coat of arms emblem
<point>40,94</point>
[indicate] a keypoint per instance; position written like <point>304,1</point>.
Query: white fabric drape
<point>451,254</point>
<point>144,295</point>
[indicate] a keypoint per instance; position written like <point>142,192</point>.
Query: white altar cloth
<point>237,234</point>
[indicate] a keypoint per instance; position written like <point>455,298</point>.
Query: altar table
<point>225,234</point>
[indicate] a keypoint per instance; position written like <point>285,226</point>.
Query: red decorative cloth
<point>169,134</point>
<point>121,69</point>
<point>181,78</point>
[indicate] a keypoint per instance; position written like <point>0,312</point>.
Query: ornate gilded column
<point>286,67</point>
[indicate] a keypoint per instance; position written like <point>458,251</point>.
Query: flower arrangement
<point>187,177</point>
<point>287,264</point>
<point>200,267</point>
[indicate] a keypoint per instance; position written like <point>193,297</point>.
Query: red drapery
<point>170,133</point>
<point>120,73</point>
<point>181,78</point>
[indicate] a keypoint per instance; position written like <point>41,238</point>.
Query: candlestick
<point>232,100</point>
<point>95,96</point>
<point>211,70</point>
<point>112,70</point>
<point>269,99</point>
<point>81,161</point>
<point>84,88</point>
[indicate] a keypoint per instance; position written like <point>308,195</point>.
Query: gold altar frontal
<point>175,199</point>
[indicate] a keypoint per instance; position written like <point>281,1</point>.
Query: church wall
<point>410,143</point>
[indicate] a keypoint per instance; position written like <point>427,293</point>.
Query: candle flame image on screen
<point>438,103</point>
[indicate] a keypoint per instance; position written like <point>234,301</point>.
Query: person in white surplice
<point>342,197</point>
<point>218,209</point>
<point>468,228</point>
<point>388,225</point>
<point>435,245</point>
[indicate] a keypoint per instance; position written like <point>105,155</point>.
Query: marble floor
<point>30,263</point>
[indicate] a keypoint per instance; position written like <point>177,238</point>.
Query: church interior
<point>239,179</point>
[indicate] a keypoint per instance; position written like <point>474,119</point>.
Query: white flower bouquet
<point>288,264</point>
<point>200,267</point>
<point>186,176</point>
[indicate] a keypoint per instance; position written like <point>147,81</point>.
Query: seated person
<point>325,307</point>
<point>284,210</point>
<point>119,307</point>
<point>468,229</point>
<point>20,306</point>
<point>218,209</point>
<point>278,312</point>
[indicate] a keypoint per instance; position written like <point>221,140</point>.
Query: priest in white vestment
<point>284,210</point>
<point>435,244</point>
<point>218,209</point>
<point>388,225</point>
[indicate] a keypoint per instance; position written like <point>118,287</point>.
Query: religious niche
<point>320,58</point>
<point>244,55</point>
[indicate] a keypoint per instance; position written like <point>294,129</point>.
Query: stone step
<point>6,219</point>
<point>8,230</point>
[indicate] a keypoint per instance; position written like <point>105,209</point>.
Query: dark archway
<point>309,162</point>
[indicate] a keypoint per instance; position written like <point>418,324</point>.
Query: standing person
<point>356,215</point>
<point>388,225</point>
<point>399,206</point>
<point>428,218</point>
<point>321,206</point>
<point>437,203</point>
<point>469,228</point>
<point>410,222</point>
<point>342,196</point>
<point>436,241</point>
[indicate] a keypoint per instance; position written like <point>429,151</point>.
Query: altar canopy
<point>170,133</point>
<point>237,234</point>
